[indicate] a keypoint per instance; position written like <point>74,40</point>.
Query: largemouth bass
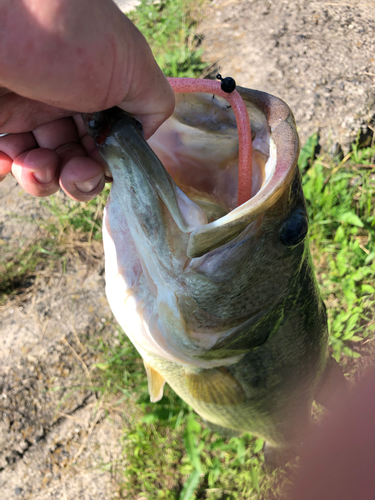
<point>220,301</point>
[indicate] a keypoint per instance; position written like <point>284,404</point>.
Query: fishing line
<point>218,62</point>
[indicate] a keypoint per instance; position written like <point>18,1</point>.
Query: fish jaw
<point>146,227</point>
<point>143,300</point>
<point>135,168</point>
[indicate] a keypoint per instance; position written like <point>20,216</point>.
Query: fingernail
<point>44,175</point>
<point>90,185</point>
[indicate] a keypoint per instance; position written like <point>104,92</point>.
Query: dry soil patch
<point>318,56</point>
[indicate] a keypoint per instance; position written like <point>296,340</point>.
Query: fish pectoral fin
<point>215,386</point>
<point>155,383</point>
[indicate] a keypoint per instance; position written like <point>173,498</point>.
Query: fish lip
<point>285,138</point>
<point>116,131</point>
<point>100,124</point>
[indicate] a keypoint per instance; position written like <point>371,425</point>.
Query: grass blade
<point>190,486</point>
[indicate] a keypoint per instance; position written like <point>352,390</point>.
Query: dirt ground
<point>53,434</point>
<point>318,56</point>
<point>54,437</point>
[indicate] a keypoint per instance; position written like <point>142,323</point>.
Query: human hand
<point>58,59</point>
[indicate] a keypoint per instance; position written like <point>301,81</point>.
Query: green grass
<point>71,230</point>
<point>341,203</point>
<point>171,24</point>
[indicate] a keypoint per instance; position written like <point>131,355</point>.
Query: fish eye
<point>294,230</point>
<point>296,186</point>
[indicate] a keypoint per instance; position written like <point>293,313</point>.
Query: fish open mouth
<point>198,151</point>
<point>200,148</point>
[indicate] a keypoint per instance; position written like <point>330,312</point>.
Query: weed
<point>72,230</point>
<point>341,201</point>
<point>18,270</point>
<point>171,23</point>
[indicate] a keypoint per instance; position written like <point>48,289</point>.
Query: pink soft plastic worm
<point>189,85</point>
